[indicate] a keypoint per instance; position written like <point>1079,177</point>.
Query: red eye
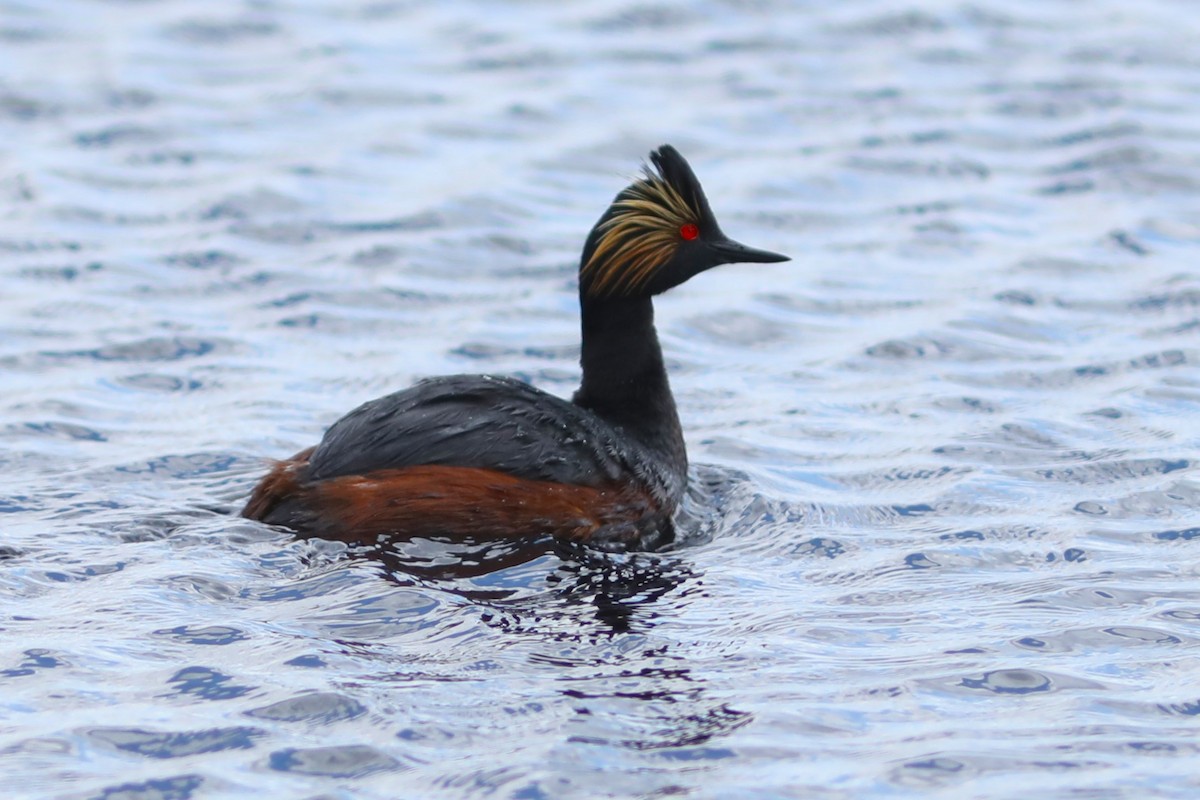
<point>689,231</point>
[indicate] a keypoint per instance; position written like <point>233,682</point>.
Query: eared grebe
<point>484,456</point>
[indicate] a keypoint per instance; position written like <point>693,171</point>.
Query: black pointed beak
<point>731,252</point>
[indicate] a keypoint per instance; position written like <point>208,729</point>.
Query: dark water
<point>942,536</point>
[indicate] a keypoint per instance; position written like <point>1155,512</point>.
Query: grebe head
<point>658,232</point>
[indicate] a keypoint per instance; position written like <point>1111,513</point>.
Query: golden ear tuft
<point>638,238</point>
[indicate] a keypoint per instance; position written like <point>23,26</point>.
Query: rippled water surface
<point>942,534</point>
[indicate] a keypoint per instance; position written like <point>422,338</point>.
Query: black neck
<point>624,380</point>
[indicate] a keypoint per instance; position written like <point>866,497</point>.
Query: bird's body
<point>487,456</point>
<point>480,454</point>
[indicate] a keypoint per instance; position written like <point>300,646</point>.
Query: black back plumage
<point>492,423</point>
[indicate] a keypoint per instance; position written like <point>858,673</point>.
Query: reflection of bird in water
<point>534,581</point>
<point>492,457</point>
